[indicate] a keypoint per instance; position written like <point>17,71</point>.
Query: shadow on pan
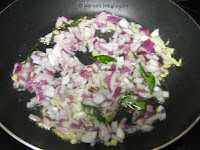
<point>25,21</point>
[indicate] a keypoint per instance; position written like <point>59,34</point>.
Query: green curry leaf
<point>127,100</point>
<point>65,25</point>
<point>104,59</point>
<point>149,78</point>
<point>93,111</point>
<point>30,53</point>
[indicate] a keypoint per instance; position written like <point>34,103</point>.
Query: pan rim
<point>185,13</point>
<point>8,6</point>
<point>178,136</point>
<point>18,138</point>
<point>157,148</point>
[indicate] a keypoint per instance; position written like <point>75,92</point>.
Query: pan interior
<point>25,21</point>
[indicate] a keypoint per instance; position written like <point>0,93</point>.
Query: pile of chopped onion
<point>98,85</point>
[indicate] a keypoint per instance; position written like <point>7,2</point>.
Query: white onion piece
<point>122,123</point>
<point>103,130</point>
<point>92,143</point>
<point>107,138</point>
<point>117,138</point>
<point>159,108</point>
<point>114,126</point>
<point>99,98</point>
<point>34,118</point>
<point>128,31</point>
<point>107,103</point>
<point>76,107</point>
<point>124,23</point>
<point>144,37</point>
<point>80,115</point>
<point>146,128</point>
<point>89,137</point>
<point>165,94</point>
<point>157,48</point>
<point>133,129</point>
<point>32,102</point>
<point>162,116</point>
<point>151,119</point>
<point>138,80</point>
<point>145,95</point>
<point>151,68</point>
<point>156,88</point>
<point>120,133</point>
<point>153,62</point>
<point>65,80</point>
<point>155,33</point>
<point>113,81</point>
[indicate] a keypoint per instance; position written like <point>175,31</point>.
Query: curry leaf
<point>149,78</point>
<point>73,24</point>
<point>65,25</point>
<point>104,59</point>
<point>128,100</point>
<point>93,111</point>
<point>30,53</point>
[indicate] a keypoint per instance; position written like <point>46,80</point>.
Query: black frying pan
<point>25,21</point>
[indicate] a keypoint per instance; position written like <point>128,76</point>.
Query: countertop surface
<point>190,141</point>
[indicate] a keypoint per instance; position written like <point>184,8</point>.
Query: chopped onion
<point>99,98</point>
<point>155,33</point>
<point>120,133</point>
<point>35,118</point>
<point>89,137</point>
<point>80,102</point>
<point>124,23</point>
<point>114,126</point>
